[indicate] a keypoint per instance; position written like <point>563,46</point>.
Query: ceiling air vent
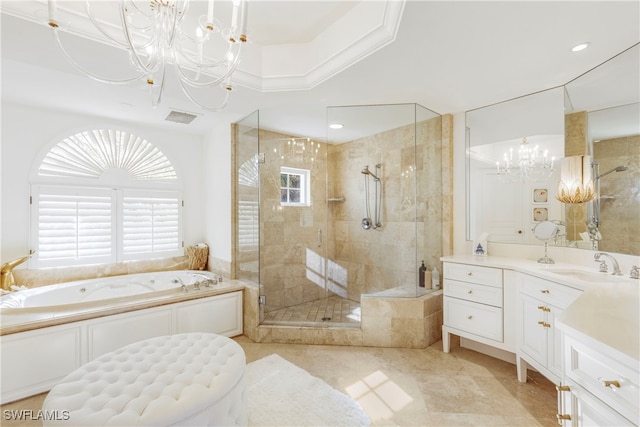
<point>180,117</point>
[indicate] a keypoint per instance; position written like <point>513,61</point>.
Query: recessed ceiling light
<point>581,46</point>
<point>336,125</point>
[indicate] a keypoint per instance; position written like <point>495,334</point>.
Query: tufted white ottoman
<point>191,379</point>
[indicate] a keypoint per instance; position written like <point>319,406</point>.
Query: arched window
<point>104,196</point>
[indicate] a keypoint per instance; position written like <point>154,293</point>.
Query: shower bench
<point>193,379</point>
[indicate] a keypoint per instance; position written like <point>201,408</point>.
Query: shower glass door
<point>293,218</point>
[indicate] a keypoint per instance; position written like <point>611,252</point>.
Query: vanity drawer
<point>473,292</point>
<point>591,368</point>
<point>479,319</point>
<point>474,274</point>
<point>549,292</point>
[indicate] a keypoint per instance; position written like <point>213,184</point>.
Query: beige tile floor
<point>412,387</point>
<point>341,312</point>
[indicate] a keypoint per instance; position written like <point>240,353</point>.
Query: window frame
<point>117,195</point>
<point>305,186</point>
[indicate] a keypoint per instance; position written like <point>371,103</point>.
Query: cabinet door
<point>588,411</point>
<point>554,340</point>
<point>221,314</point>
<point>112,332</point>
<point>533,333</point>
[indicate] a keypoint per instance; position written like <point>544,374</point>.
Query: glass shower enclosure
<point>320,221</point>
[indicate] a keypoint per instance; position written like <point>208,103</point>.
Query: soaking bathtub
<point>104,291</point>
<point>49,331</point>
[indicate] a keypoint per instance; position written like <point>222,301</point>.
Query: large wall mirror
<point>512,180</point>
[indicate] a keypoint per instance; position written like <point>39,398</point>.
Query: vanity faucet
<point>603,265</point>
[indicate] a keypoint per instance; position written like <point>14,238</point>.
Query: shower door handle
<point>319,237</point>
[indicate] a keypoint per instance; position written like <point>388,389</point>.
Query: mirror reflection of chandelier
<point>532,164</point>
<point>304,149</point>
<point>157,33</point>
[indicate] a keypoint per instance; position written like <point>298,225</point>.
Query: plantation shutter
<point>151,224</point>
<point>248,225</point>
<point>73,225</point>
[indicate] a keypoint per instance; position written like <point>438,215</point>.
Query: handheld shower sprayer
<point>366,171</point>
<point>366,221</point>
<point>616,169</point>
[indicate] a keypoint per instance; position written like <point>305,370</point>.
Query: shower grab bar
<point>319,237</point>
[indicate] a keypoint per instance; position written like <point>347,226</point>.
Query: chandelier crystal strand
<point>204,55</point>
<point>532,164</point>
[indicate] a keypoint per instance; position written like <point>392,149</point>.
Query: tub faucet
<point>6,272</point>
<point>603,265</point>
<point>183,287</point>
<point>207,280</point>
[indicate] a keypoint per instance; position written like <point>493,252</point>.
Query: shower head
<point>616,169</point>
<point>366,171</point>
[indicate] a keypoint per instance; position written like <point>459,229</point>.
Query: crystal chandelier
<point>160,33</point>
<point>304,149</point>
<point>531,163</point>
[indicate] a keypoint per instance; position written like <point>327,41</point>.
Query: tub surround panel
<point>218,265</point>
<point>26,319</point>
<point>63,348</point>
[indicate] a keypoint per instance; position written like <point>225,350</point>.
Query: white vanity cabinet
<point>600,385</point>
<point>539,343</point>
<point>473,305</point>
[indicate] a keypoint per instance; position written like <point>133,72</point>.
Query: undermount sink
<point>585,276</point>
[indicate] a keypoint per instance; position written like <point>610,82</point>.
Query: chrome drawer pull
<point>610,384</point>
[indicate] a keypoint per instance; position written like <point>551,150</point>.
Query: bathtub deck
<point>16,320</point>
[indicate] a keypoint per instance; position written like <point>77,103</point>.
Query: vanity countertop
<point>608,311</point>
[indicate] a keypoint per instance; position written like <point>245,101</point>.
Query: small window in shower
<point>294,187</point>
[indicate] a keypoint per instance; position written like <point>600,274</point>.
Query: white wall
<point>217,184</point>
<point>28,132</point>
<point>460,243</point>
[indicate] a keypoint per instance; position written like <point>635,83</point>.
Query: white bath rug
<point>282,394</point>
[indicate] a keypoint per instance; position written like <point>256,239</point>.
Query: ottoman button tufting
<point>194,379</point>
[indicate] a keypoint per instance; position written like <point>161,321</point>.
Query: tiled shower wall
<point>368,261</point>
<point>292,263</point>
<point>360,261</point>
<point>619,204</point>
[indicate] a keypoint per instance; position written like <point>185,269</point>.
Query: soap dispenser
<point>421,275</point>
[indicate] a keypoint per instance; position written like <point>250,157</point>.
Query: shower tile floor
<point>341,311</point>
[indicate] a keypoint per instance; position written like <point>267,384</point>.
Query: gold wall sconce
<point>576,180</point>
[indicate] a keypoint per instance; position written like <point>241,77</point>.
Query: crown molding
<point>363,30</point>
